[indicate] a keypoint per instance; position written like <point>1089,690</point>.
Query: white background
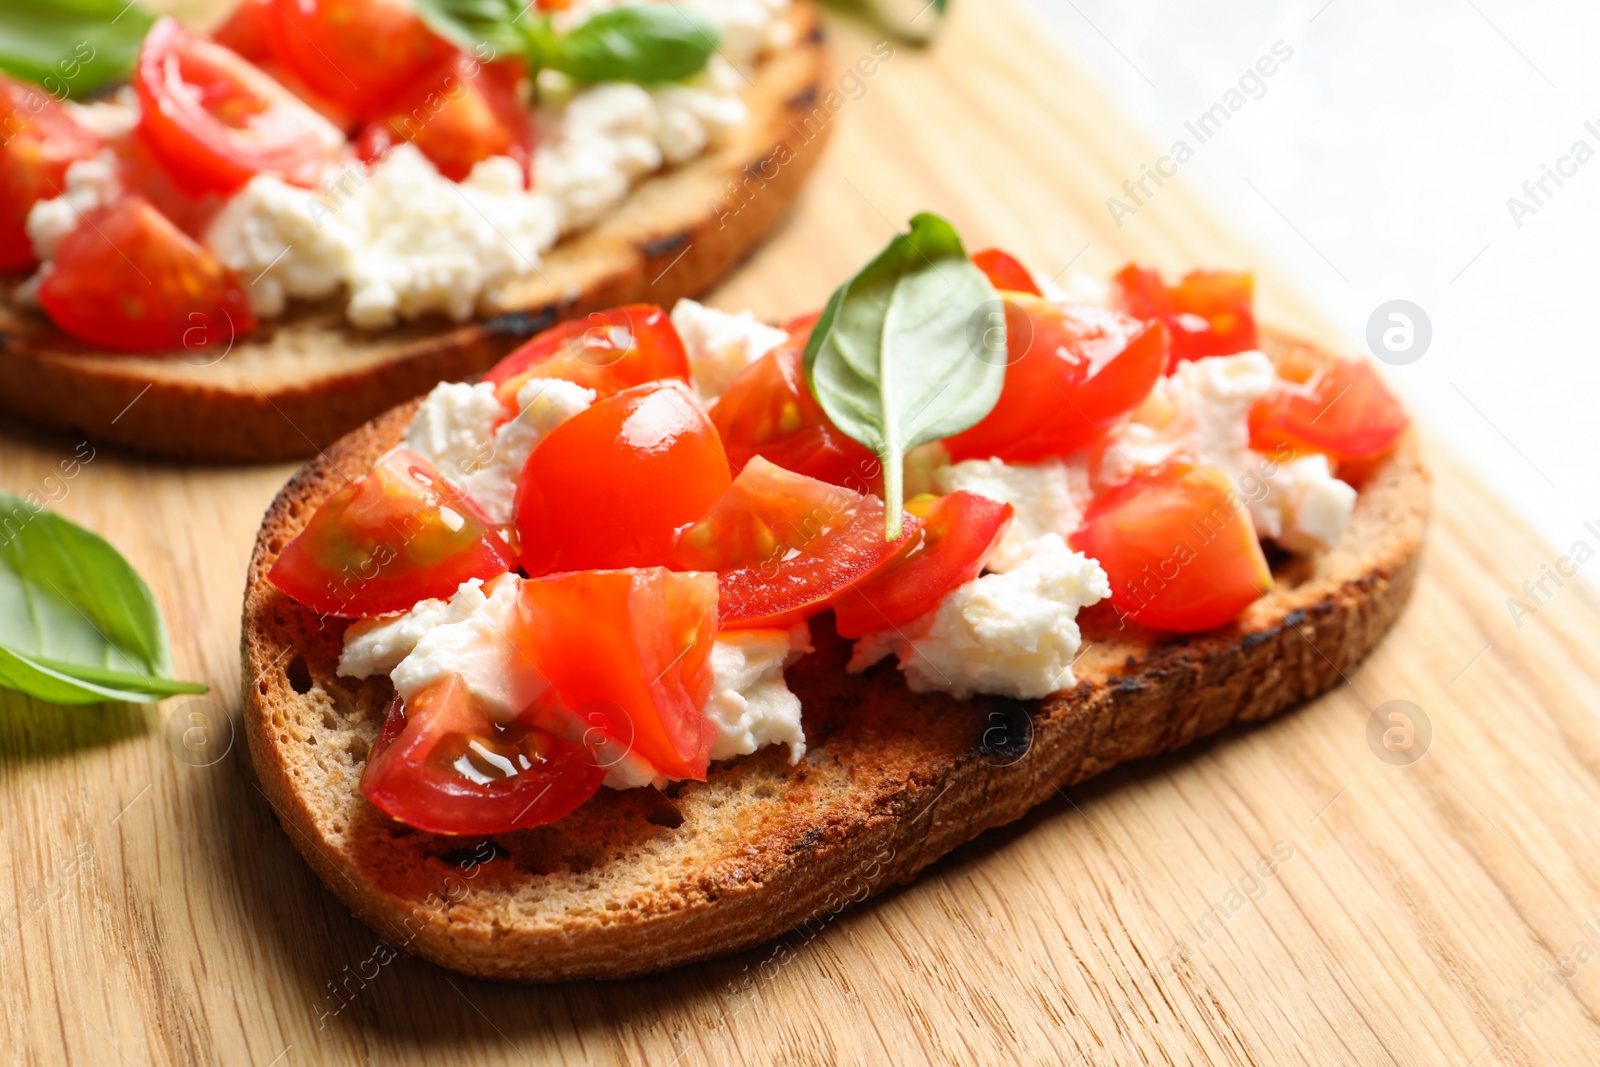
<point>1378,165</point>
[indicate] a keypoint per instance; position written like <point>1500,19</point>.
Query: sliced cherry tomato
<point>1005,272</point>
<point>628,653</point>
<point>612,485</point>
<point>1209,313</point>
<point>1344,410</point>
<point>215,120</point>
<point>799,328</point>
<point>783,545</point>
<point>459,115</point>
<point>1073,371</point>
<point>957,534</point>
<point>1178,554</point>
<point>250,30</point>
<point>607,351</point>
<point>768,410</point>
<point>361,55</point>
<point>38,142</point>
<point>128,279</point>
<point>443,766</point>
<point>392,537</point>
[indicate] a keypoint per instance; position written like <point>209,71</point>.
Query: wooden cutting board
<point>1276,895</point>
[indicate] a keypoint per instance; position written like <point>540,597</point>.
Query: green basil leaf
<point>71,47</point>
<point>893,361</point>
<point>643,43</point>
<point>470,23</point>
<point>77,623</point>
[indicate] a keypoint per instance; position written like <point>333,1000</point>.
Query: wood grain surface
<point>1278,895</point>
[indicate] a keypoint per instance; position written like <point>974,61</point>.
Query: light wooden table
<point>152,911</point>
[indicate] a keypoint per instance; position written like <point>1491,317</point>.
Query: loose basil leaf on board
<point>644,43</point>
<point>70,48</point>
<point>77,623</point>
<point>891,360</point>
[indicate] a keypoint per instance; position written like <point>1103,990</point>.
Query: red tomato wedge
<point>1209,313</point>
<point>783,545</point>
<point>628,653</point>
<point>458,115</point>
<point>1178,555</point>
<point>1005,272</point>
<point>957,534</point>
<point>799,328</point>
<point>768,410</point>
<point>612,485</point>
<point>607,351</point>
<point>443,766</point>
<point>140,170</point>
<point>358,54</point>
<point>250,30</point>
<point>215,120</point>
<point>1073,371</point>
<point>1344,410</point>
<point>392,537</point>
<point>127,279</point>
<point>38,142</point>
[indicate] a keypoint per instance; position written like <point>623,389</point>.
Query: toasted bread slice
<point>297,384</point>
<point>640,881</point>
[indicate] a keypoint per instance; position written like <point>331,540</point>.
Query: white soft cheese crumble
<point>463,431</point>
<point>1202,411</point>
<point>398,236</point>
<point>89,184</point>
<point>750,704</point>
<point>1048,497</point>
<point>472,636</point>
<point>720,345</point>
<point>1014,634</point>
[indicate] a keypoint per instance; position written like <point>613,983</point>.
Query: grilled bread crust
<point>639,881</point>
<point>294,386</point>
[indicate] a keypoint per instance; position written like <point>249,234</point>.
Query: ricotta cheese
<point>458,429</point>
<point>750,704</point>
<point>1313,507</point>
<point>1013,634</point>
<point>1049,497</point>
<point>720,345</point>
<point>602,140</point>
<point>606,137</point>
<point>403,239</point>
<point>478,645</point>
<point>1203,411</point>
<point>692,114</point>
<point>377,645</point>
<point>454,428</point>
<point>89,184</point>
